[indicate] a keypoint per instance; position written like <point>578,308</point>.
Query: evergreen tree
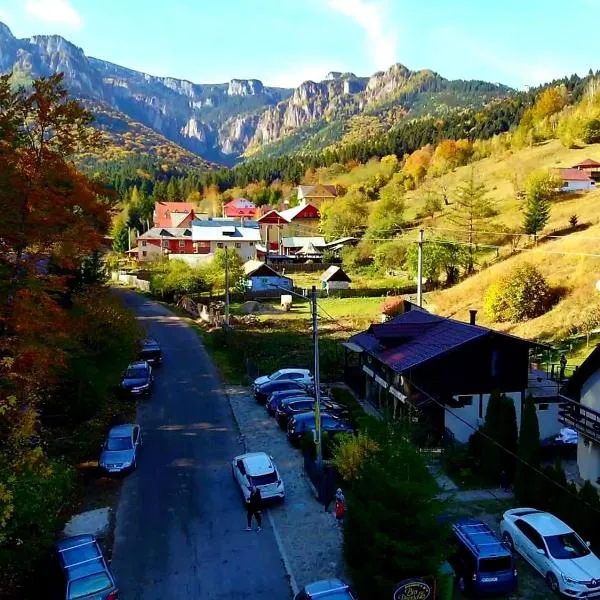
<point>528,451</point>
<point>501,426</point>
<point>120,234</point>
<point>173,192</point>
<point>470,205</point>
<point>537,214</point>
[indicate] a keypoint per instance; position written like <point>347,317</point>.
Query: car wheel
<point>507,539</point>
<point>552,583</point>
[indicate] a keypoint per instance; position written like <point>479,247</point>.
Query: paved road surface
<point>180,520</point>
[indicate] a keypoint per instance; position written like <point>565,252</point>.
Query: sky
<point>285,42</point>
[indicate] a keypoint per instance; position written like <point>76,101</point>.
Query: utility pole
<point>226,286</point>
<point>420,270</point>
<point>317,378</point>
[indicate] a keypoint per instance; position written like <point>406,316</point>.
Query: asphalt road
<point>180,521</point>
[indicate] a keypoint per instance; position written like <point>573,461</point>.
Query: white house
<point>210,234</point>
<point>575,180</point>
<point>335,278</point>
<point>581,412</point>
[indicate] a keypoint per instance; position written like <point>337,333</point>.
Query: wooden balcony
<point>584,420</point>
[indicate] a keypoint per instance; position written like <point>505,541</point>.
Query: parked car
<point>120,450</point>
<point>327,589</point>
<point>301,404</point>
<point>554,550</point>
<point>482,563</point>
<point>257,468</point>
<point>276,398</point>
<point>151,352</point>
<point>299,424</point>
<point>84,569</point>
<point>302,375</point>
<point>138,379</point>
<point>262,392</point>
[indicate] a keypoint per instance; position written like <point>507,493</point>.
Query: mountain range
<point>224,122</point>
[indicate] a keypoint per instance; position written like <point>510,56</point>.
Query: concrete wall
<point>572,186</point>
<point>337,285</point>
<point>131,280</point>
<point>246,251</point>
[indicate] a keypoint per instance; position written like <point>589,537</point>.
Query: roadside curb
<point>278,540</point>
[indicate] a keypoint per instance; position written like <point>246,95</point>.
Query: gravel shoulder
<point>311,539</point>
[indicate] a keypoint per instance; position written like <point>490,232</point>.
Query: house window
<point>144,243</point>
<point>144,253</point>
<point>165,243</point>
<point>219,244</point>
<point>251,244</point>
<point>238,245</point>
<point>182,243</point>
<point>543,406</point>
<point>464,401</point>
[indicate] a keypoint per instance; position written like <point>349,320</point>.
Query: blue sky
<point>284,42</point>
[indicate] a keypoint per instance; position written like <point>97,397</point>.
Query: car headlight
<point>127,463</point>
<point>569,579</point>
<point>141,388</point>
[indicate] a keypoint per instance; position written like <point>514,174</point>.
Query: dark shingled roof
<point>418,336</point>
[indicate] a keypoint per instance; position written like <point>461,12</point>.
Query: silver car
<point>120,450</point>
<point>257,468</point>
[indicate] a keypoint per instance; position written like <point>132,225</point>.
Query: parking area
<point>310,537</point>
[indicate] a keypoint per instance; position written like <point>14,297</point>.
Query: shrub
<point>591,132</point>
<point>573,220</point>
<point>523,294</point>
<point>390,255</point>
<point>392,306</point>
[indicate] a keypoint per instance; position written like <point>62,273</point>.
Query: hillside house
<point>438,371</point>
<point>271,223</point>
<point>163,241</point>
<point>316,193</point>
<point>240,208</point>
<point>275,225</point>
<point>264,281</point>
<point>291,246</point>
<point>575,180</point>
<point>335,278</point>
<point>233,234</point>
<point>173,214</point>
<point>590,167</point>
<point>581,412</point>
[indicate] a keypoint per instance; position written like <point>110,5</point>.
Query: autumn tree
<point>432,200</point>
<point>386,218</point>
<point>540,188</point>
<point>417,163</point>
<point>470,205</point>
<point>346,216</point>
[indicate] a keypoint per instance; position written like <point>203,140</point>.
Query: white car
<point>555,550</point>
<point>300,375</point>
<point>257,468</point>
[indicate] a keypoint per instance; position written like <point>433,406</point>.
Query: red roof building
<point>240,208</point>
<point>572,175</point>
<point>173,214</point>
<point>587,164</point>
<point>575,180</point>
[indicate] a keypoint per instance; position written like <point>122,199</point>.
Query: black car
<point>295,405</point>
<point>276,398</point>
<point>138,379</point>
<point>262,393</point>
<point>151,352</point>
<point>301,423</point>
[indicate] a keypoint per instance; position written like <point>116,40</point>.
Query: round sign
<point>413,589</point>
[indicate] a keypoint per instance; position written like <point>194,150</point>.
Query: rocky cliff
<point>220,121</point>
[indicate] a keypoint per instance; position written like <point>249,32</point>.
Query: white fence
<point>132,280</point>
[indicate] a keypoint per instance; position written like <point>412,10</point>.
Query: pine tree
<point>120,235</point>
<point>528,451</point>
<point>501,426</point>
<point>537,214</point>
<point>470,205</point>
<point>172,190</point>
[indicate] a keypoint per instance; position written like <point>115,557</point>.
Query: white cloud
<point>381,42</point>
<point>55,11</point>
<point>297,74</point>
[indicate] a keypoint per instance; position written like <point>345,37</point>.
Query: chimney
<point>473,316</point>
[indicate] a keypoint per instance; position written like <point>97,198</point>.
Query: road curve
<point>180,521</point>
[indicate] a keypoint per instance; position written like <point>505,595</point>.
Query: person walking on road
<point>340,506</point>
<point>253,508</point>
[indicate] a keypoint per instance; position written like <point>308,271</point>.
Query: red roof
<point>164,210</point>
<point>240,207</point>
<point>588,163</point>
<point>272,218</point>
<point>573,175</point>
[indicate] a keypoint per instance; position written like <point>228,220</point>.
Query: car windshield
<point>567,545</point>
<point>136,373</point>
<point>264,479</point>
<point>118,443</point>
<point>89,585</point>
<point>495,564</point>
<point>276,375</point>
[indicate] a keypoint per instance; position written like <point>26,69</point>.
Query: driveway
<point>180,520</point>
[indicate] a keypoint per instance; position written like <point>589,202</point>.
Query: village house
<point>335,278</point>
<point>581,412</point>
<point>316,193</point>
<point>163,241</point>
<point>173,214</point>
<point>291,246</point>
<point>240,208</point>
<point>264,282</point>
<point>210,234</point>
<point>590,167</point>
<point>303,219</point>
<point>575,180</point>
<point>439,371</point>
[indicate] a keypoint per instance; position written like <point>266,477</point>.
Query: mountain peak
<point>5,32</point>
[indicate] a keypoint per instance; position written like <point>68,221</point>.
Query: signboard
<point>416,588</point>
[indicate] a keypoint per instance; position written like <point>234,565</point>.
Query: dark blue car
<point>86,573</point>
<point>482,563</point>
<point>302,423</point>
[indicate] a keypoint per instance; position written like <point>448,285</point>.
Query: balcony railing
<point>581,418</point>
